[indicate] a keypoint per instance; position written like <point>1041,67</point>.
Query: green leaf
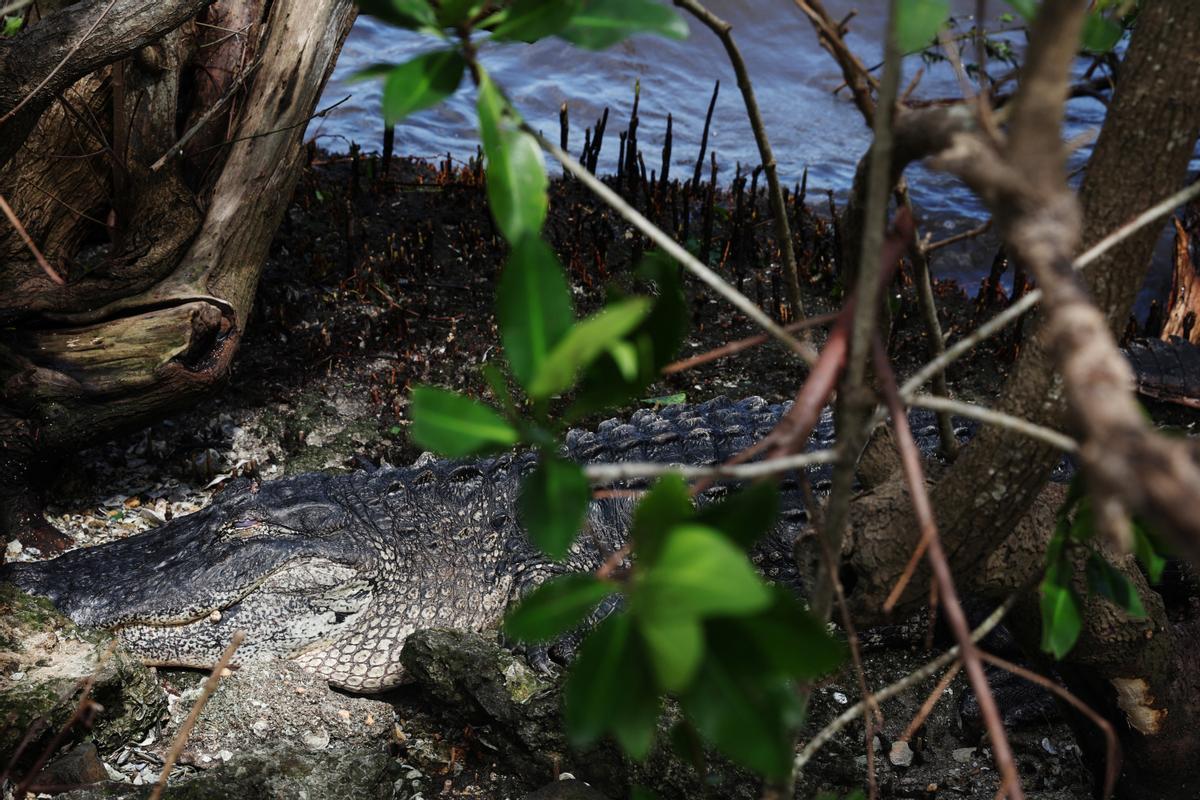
<point>420,83</point>
<point>788,640</point>
<point>1100,34</point>
<point>1107,581</point>
<point>556,607</point>
<point>533,306</point>
<point>456,426</point>
<point>666,505</point>
<point>596,683</point>
<point>12,25</point>
<point>516,174</point>
<point>530,20</point>
<point>918,21</point>
<point>409,14</point>
<point>583,343</point>
<point>1061,617</point>
<point>453,13</point>
<point>608,690</point>
<point>665,399</point>
<point>603,23</point>
<point>552,504</point>
<point>625,356</point>
<point>1026,8</point>
<point>1145,546</point>
<point>675,646</point>
<point>750,719</point>
<point>745,515</point>
<point>700,573</point>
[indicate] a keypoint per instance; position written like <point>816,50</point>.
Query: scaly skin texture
<point>336,571</point>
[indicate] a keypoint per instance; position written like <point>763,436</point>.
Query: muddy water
<point>809,125</point>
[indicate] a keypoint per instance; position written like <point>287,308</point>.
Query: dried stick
<point>850,411</point>
<point>803,349</point>
<point>959,237</point>
<point>783,230</point>
<point>739,345</point>
<point>185,730</point>
<point>1029,300</point>
<point>1112,748</point>
<point>997,418</point>
<point>630,470</point>
<point>933,327</point>
<point>177,148</point>
<point>33,248</point>
<point>823,736</point>
<point>930,702</point>
<point>910,458</point>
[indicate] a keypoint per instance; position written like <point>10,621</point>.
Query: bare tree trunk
<point>161,251</point>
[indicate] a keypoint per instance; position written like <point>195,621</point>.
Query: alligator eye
<point>241,529</point>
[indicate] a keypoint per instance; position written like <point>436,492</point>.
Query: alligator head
<point>278,562</point>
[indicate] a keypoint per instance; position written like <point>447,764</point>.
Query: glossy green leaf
<point>675,645</point>
<point>12,25</point>
<point>750,719</point>
<point>699,572</point>
<point>556,607</point>
<point>745,515</point>
<point>1107,581</point>
<point>1026,8</point>
<point>1148,551</point>
<point>1062,619</point>
<point>516,174</point>
<point>534,306</point>
<point>918,21</point>
<point>583,343</point>
<point>409,14</point>
<point>552,504</point>
<point>530,20</point>
<point>454,425</point>
<point>666,505</point>
<point>1100,34</point>
<point>453,13</point>
<point>608,690</point>
<point>596,683</point>
<point>788,640</point>
<point>603,23</point>
<point>421,83</point>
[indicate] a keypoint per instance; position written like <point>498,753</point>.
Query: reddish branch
<point>910,460</point>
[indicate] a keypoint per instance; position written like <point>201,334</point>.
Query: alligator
<point>335,571</point>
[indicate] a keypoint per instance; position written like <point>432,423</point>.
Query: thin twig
<point>177,148</point>
<point>959,237</point>
<point>631,470</point>
<point>324,111</point>
<point>1029,300</point>
<point>74,48</point>
<point>851,409</point>
<point>673,249</point>
<point>910,459</point>
<point>783,231</point>
<point>930,702</point>
<point>1112,748</point>
<point>33,248</point>
<point>823,736</point>
<point>185,730</point>
<point>739,345</point>
<point>997,418</point>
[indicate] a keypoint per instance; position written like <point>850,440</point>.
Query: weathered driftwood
<point>161,255</point>
<point>1183,307</point>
